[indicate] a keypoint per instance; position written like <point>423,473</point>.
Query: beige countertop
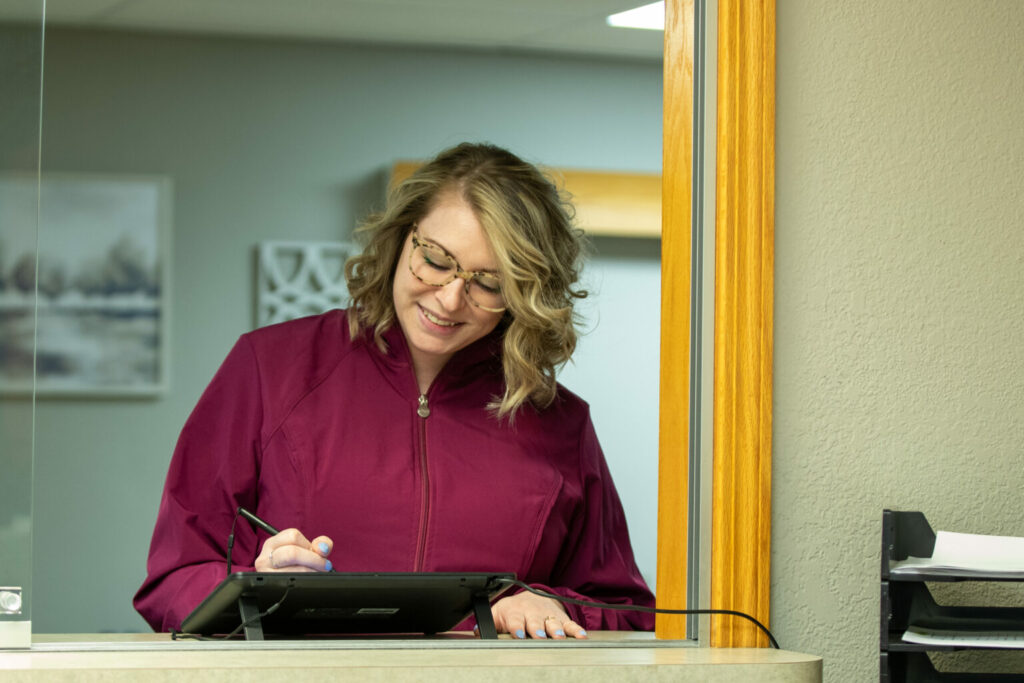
<point>606,656</point>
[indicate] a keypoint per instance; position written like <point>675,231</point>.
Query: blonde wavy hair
<point>528,223</point>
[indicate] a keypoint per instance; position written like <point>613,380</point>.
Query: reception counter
<point>457,658</point>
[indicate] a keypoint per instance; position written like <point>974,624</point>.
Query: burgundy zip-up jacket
<point>313,430</point>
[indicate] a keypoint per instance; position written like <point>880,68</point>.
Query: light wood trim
<point>614,204</point>
<point>401,170</point>
<point>673,431</point>
<point>744,264</point>
<point>607,203</point>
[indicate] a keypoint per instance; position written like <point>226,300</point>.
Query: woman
<point>422,429</point>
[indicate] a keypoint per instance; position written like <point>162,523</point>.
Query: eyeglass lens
<point>432,265</point>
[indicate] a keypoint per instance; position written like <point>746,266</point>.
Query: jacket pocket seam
<point>542,519</point>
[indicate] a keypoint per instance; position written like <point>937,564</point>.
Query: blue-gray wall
<point>271,140</point>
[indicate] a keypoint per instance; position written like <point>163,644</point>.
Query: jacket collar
<point>482,357</point>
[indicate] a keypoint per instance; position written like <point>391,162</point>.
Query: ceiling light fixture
<point>651,17</point>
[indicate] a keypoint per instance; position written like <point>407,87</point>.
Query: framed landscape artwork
<point>101,299</point>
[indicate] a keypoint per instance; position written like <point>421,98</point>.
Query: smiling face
<point>439,321</point>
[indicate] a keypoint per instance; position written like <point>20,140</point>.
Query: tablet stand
<point>484,618</point>
<point>253,624</point>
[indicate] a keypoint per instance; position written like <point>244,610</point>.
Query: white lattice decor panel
<point>295,279</point>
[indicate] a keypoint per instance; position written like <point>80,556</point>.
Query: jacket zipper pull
<point>424,409</point>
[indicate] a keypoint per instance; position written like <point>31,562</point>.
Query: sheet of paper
<point>995,639</point>
<point>1001,556</point>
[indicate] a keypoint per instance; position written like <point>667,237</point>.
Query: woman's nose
<point>452,295</point>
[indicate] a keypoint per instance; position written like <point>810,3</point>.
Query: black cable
<point>640,608</point>
<point>270,610</point>
<point>231,541</point>
<point>177,635</point>
<point>512,582</point>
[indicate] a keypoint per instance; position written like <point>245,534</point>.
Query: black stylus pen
<point>256,521</point>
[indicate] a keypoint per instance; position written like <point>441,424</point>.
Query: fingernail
<point>324,547</point>
<point>559,632</point>
<point>541,633</point>
<point>520,633</point>
<point>582,632</point>
<point>328,567</point>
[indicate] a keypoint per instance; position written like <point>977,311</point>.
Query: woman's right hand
<point>290,551</point>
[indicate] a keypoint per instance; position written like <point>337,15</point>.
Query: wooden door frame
<point>743,310</point>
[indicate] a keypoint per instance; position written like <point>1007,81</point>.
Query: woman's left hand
<point>529,615</point>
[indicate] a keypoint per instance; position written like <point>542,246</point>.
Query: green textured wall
<point>899,319</point>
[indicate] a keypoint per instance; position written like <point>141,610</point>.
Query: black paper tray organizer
<point>907,603</point>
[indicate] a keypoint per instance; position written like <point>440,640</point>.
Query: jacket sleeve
<point>597,561</point>
<point>214,469</point>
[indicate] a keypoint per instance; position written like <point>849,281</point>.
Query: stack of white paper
<point>997,639</point>
<point>968,555</point>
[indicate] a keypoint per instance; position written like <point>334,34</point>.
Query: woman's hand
<point>529,615</point>
<point>290,551</point>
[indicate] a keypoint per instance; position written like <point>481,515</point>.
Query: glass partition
<point>21,62</point>
<point>256,143</point>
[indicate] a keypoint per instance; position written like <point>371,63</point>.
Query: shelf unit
<point>907,601</point>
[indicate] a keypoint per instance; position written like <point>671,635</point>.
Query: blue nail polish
<point>541,633</point>
<point>328,567</point>
<point>324,547</point>
<point>520,633</point>
<point>582,633</point>
<point>559,632</point>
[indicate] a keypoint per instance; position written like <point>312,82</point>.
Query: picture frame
<point>96,321</point>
